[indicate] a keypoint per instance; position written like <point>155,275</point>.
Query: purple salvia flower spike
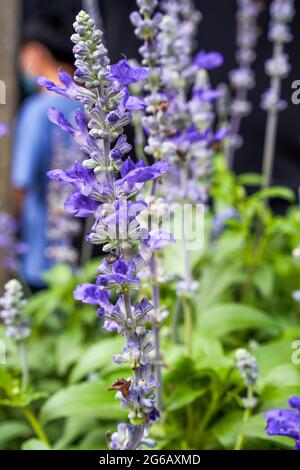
<point>282,13</point>
<point>98,189</point>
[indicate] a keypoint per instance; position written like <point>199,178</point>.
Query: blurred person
<point>45,47</point>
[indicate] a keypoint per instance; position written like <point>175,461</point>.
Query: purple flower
<point>91,294</point>
<point>123,73</point>
<point>186,138</point>
<point>207,95</point>
<point>159,239</point>
<point>68,88</point>
<point>80,132</point>
<point>132,103</point>
<point>285,422</point>
<point>220,135</point>
<point>140,173</point>
<point>208,60</point>
<point>121,147</point>
<point>117,274</point>
<point>127,437</point>
<point>81,206</point>
<point>84,181</point>
<point>102,185</point>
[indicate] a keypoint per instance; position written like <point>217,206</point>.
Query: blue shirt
<point>32,158</point>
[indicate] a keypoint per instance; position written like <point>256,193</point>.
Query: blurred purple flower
<point>124,74</point>
<point>208,60</point>
<point>285,422</point>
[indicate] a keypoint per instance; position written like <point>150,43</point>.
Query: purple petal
<point>127,166</point>
<point>65,79</point>
<point>159,239</point>
<point>91,294</point>
<point>125,74</point>
<point>58,118</point>
<point>51,86</point>
<point>135,104</point>
<point>294,402</point>
<point>80,206</point>
<point>208,60</point>
<point>120,267</point>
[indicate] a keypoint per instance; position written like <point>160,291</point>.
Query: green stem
<point>24,365</point>
<point>190,432</point>
<point>271,126</point>
<point>175,322</point>
<point>252,262</point>
<point>247,415</point>
<point>216,403</point>
<point>36,425</point>
<point>188,326</point>
<point>209,413</point>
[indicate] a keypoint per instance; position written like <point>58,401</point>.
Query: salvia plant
<point>247,366</point>
<point>179,115</point>
<point>107,186</point>
<point>146,21</point>
<point>278,68</point>
<point>92,7</point>
<point>242,79</point>
<point>17,327</point>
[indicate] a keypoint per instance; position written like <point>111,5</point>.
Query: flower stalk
<point>248,369</point>
<point>107,186</point>
<point>282,13</point>
<point>242,79</point>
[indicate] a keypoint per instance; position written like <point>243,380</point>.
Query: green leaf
<point>60,274</point>
<point>75,427</point>
<point>227,246</point>
<point>96,357</point>
<point>223,319</point>
<point>227,428</point>
<point>34,444</point>
<point>280,383</point>
<point>275,192</point>
<point>205,346</point>
<point>6,380</point>
<point>10,430</point>
<point>68,349</point>
<point>22,399</point>
<point>173,254</point>
<point>215,281</point>
<point>88,399</point>
<point>250,179</point>
<point>272,355</point>
<point>264,280</point>
<point>94,440</point>
<point>182,397</point>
